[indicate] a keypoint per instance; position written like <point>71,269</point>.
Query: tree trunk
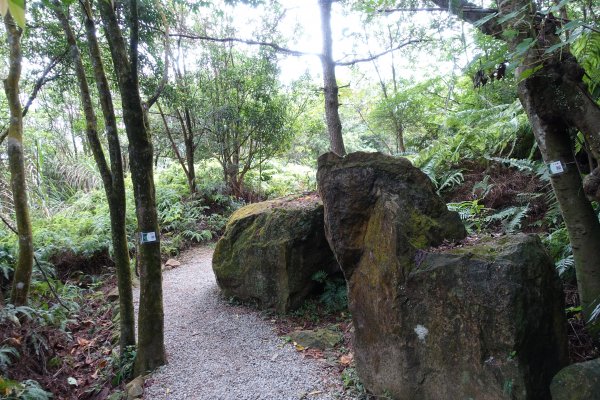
<point>151,350</point>
<point>16,161</point>
<point>112,177</point>
<point>553,139</point>
<point>189,152</point>
<point>331,90</point>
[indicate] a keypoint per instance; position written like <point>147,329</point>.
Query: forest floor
<point>222,350</point>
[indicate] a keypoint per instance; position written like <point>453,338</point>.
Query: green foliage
<point>511,218</point>
<point>587,50</point>
<point>278,179</point>
<point>471,213</point>
<point>335,292</point>
<point>26,390</point>
<point>559,247</point>
<point>7,354</point>
<point>185,219</point>
<point>122,366</point>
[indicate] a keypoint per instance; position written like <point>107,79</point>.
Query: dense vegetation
<point>229,123</point>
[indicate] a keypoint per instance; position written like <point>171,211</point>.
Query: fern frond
<point>511,217</point>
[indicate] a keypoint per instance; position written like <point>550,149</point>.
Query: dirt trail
<point>219,351</point>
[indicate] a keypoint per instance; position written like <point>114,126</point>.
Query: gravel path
<point>221,352</point>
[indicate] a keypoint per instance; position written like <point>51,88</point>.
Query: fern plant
<point>470,213</point>
<point>7,354</point>
<point>335,293</point>
<point>511,218</point>
<point>587,50</point>
<point>26,390</point>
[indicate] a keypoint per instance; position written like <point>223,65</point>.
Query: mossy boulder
<point>484,322</point>
<point>579,381</point>
<point>270,251</point>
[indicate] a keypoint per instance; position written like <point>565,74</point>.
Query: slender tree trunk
<point>16,161</point>
<point>331,90</point>
<point>400,139</point>
<point>151,351</point>
<point>550,97</point>
<point>189,152</point>
<point>112,177</point>
<point>172,141</point>
<point>553,139</point>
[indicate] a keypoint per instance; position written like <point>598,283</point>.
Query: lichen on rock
<point>270,250</point>
<point>484,322</point>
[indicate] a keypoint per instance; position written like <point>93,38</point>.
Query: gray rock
<point>579,381</point>
<point>135,388</point>
<point>113,295</point>
<point>270,251</point>
<point>485,322</point>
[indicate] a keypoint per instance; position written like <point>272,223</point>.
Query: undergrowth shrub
<point>277,179</point>
<point>334,296</point>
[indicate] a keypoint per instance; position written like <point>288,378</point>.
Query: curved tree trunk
<point>555,100</point>
<point>553,139</point>
<point>151,350</point>
<point>16,161</point>
<point>331,89</point>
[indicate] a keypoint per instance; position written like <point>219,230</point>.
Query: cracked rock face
<point>482,322</point>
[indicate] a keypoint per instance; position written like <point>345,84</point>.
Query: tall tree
<point>151,351</point>
<point>112,176</point>
<point>14,142</point>
<point>330,88</point>
<point>243,115</point>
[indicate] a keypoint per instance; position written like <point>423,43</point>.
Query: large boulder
<point>579,381</point>
<point>481,322</point>
<point>270,251</point>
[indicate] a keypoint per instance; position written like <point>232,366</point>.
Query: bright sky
<point>305,14</point>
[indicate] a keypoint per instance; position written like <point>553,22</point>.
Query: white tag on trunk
<point>147,237</point>
<point>556,168</point>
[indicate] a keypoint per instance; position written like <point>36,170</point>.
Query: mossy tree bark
<point>556,101</point>
<point>151,350</point>
<point>112,177</point>
<point>330,88</point>
<point>16,161</point>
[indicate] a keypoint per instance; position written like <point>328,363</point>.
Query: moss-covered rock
<point>322,339</point>
<point>271,249</point>
<point>484,322</point>
<point>579,381</point>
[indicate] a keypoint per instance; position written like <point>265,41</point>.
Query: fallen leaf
<point>14,341</point>
<point>299,347</point>
<point>313,353</point>
<point>83,342</point>
<point>72,381</point>
<point>346,359</point>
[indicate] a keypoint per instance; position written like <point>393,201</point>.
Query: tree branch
<point>471,13</point>
<point>165,78</point>
<point>474,9</point>
<point>291,52</point>
<point>43,80</point>
<point>375,56</point>
<point>274,46</point>
<point>39,83</point>
<point>3,136</point>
